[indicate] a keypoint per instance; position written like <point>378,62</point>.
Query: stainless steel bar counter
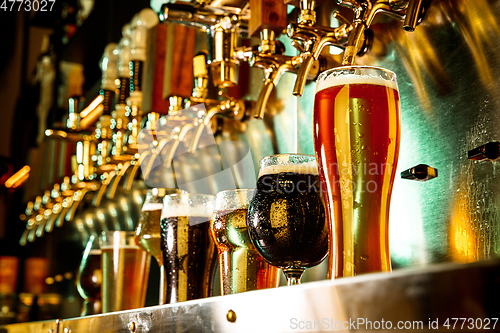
<point>439,298</point>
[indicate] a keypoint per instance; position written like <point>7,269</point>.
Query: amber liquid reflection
<point>241,266</point>
<point>357,133</point>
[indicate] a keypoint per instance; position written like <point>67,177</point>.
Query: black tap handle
<point>488,152</point>
<point>421,172</point>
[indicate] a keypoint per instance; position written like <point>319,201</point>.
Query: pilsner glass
<point>89,277</point>
<point>286,218</point>
<point>125,270</point>
<point>356,139</point>
<point>188,249</point>
<point>148,231</point>
<point>241,266</point>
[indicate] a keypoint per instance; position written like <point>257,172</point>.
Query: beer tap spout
<point>314,39</point>
<point>186,129</point>
<point>135,165</point>
<point>115,181</point>
<point>274,66</point>
<point>364,13</point>
<point>228,108</point>
<point>414,14</point>
<point>78,197</point>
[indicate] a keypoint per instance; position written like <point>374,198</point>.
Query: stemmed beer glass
<point>356,139</point>
<point>148,231</point>
<point>286,218</point>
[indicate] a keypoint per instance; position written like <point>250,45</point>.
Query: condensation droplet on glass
<point>363,147</point>
<point>360,135</point>
<point>364,257</point>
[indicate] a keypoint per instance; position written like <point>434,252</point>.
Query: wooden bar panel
<point>169,68</point>
<point>267,14</point>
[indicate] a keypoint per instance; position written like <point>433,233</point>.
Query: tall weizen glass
<point>148,231</point>
<point>356,139</point>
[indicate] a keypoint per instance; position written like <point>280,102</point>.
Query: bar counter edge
<point>438,298</point>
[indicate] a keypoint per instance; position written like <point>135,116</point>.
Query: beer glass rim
<point>382,69</point>
<point>233,199</point>
<point>286,154</point>
<point>187,204</point>
<point>163,191</point>
<point>305,156</point>
<point>108,238</point>
<point>190,195</point>
<point>236,190</point>
<point>381,74</point>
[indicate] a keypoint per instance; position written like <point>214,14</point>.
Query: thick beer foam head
<point>184,209</point>
<point>150,206</point>
<point>332,80</point>
<point>310,168</point>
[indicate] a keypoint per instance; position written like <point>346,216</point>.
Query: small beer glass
<point>241,266</point>
<point>125,269</point>
<point>188,250</point>
<point>356,139</point>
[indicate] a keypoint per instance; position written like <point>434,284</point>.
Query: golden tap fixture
<point>351,36</point>
<point>127,116</point>
<point>223,26</point>
<point>310,39</point>
<point>274,63</point>
<point>139,26</point>
<point>31,213</point>
<point>227,108</point>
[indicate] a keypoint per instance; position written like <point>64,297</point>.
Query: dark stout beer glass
<point>188,250</point>
<point>286,218</point>
<point>356,139</point>
<point>241,266</point>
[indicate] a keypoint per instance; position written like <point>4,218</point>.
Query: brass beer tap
<point>229,107</point>
<point>127,117</point>
<point>314,39</point>
<point>223,27</point>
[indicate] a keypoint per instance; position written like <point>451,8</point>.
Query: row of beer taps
<point>111,145</point>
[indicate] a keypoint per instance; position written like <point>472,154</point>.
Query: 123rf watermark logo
<point>366,324</point>
<point>27,5</point>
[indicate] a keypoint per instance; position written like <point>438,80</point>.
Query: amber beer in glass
<point>125,270</point>
<point>148,231</point>
<point>241,266</point>
<point>356,139</point>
